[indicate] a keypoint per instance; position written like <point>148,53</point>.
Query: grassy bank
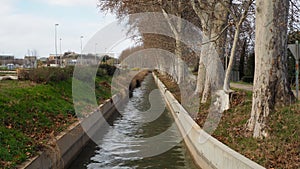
<point>32,113</point>
<point>280,150</point>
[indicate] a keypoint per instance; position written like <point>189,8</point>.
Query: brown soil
<point>170,84</point>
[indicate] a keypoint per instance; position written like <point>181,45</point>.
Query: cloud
<point>22,29</point>
<point>20,32</point>
<point>71,2</point>
<point>7,6</point>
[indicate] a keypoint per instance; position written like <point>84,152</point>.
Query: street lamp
<point>81,37</point>
<point>96,53</point>
<point>60,55</point>
<point>56,25</point>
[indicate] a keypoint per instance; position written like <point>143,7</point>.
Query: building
<point>30,62</point>
<point>54,57</point>
<point>6,59</point>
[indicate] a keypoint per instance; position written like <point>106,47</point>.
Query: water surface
<point>129,135</point>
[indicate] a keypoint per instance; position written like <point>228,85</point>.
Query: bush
<point>248,79</point>
<point>101,72</point>
<point>23,74</point>
<point>46,74</point>
<point>109,69</point>
<point>54,74</point>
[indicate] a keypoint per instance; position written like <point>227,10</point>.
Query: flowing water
<point>128,135</point>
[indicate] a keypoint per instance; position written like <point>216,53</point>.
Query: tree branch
<point>215,38</point>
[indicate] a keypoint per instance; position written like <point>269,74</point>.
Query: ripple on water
<point>128,136</point>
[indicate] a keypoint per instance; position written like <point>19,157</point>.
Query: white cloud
<point>22,31</point>
<point>6,6</point>
<point>71,2</point>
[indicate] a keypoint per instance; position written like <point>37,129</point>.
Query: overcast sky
<point>29,25</point>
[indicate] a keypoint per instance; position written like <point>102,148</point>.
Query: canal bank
<point>131,133</point>
<point>207,152</point>
<point>66,146</point>
<point>61,150</point>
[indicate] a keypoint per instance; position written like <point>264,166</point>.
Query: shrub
<point>109,69</point>
<point>46,74</point>
<point>23,74</point>
<point>101,72</point>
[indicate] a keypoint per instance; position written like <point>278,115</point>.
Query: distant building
<point>43,62</point>
<point>10,66</point>
<point>54,57</point>
<point>43,59</point>
<point>19,63</point>
<point>70,62</point>
<point>30,62</point>
<point>6,59</point>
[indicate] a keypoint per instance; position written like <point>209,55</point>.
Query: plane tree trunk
<point>270,80</point>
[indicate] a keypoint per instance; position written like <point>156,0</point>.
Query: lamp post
<point>81,37</point>
<point>56,25</point>
<point>60,52</point>
<point>96,53</point>
<point>105,56</point>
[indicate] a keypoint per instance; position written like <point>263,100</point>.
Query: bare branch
<point>217,37</point>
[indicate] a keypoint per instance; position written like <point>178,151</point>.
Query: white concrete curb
<point>207,152</point>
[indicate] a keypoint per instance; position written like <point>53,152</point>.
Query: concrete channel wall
<point>70,143</point>
<point>207,152</point>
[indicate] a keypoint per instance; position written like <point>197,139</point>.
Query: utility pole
<point>56,25</point>
<point>96,53</point>
<point>60,55</point>
<point>81,37</point>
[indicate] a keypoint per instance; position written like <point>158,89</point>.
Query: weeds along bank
<point>38,107</point>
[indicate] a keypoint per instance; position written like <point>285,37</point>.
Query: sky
<point>30,25</point>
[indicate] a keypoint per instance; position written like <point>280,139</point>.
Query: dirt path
<point>250,87</point>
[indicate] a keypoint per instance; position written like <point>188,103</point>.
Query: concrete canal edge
<point>71,142</point>
<point>207,152</point>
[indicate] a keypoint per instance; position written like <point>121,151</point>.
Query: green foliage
<point>29,112</point>
<point>14,147</point>
<point>109,69</point>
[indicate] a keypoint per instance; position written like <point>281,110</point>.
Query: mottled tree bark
<point>270,80</point>
<point>214,17</point>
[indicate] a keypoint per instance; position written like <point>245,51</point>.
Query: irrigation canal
<point>129,132</point>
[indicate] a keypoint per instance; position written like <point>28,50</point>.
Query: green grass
<point>29,112</point>
<point>244,83</point>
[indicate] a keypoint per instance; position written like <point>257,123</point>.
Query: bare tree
<point>237,21</point>
<point>214,22</point>
<point>270,81</point>
<point>171,10</point>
